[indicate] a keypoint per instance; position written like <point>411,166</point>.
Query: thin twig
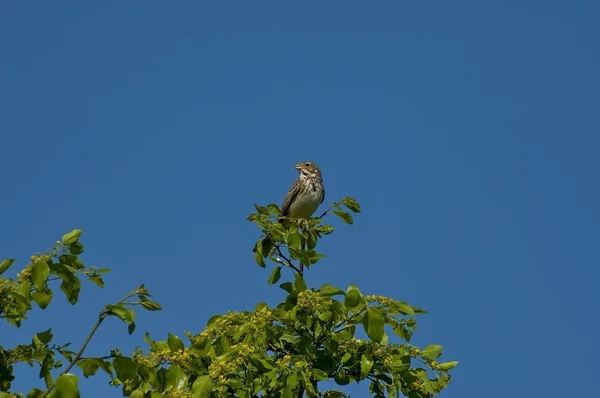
<point>287,260</point>
<point>329,208</point>
<point>101,317</point>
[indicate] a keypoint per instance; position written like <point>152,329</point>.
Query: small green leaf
<point>278,232</point>
<point>400,307</point>
<point>42,299</point>
<point>202,387</point>
<point>126,368</point>
<point>432,351</point>
<point>89,366</point>
<point>35,393</point>
<point>131,328</point>
<point>324,229</point>
<point>299,283</point>
<point>447,365</point>
<point>294,238</point>
<point>273,209</point>
<point>44,337</point>
<point>39,274</point>
<point>403,333</point>
<point>400,364</point>
<point>4,265</point>
<point>287,286</point>
<point>262,210</point>
<point>346,217</point>
<point>353,300</point>
<point>175,343</point>
<point>221,345</point>
<point>127,315</point>
<point>176,378</point>
<point>373,322</point>
<point>97,280</point>
<point>71,237</point>
<point>150,305</point>
<point>71,290</point>
<point>328,290</point>
<point>311,239</point>
<point>366,364</point>
<point>66,386</point>
<point>275,275</point>
<point>258,254</point>
<point>311,257</point>
<point>351,204</point>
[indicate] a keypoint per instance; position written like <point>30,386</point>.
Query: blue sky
<point>467,130</point>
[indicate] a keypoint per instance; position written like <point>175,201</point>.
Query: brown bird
<point>303,198</point>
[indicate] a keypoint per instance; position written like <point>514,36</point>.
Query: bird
<point>303,198</point>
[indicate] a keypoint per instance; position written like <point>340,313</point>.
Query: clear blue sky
<point>467,130</point>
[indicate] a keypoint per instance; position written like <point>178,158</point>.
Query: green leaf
<point>400,364</point>
<point>201,345</point>
<point>97,280</point>
<point>447,365</point>
<point>277,232</point>
<point>324,229</point>
<point>202,387</point>
<point>328,290</point>
<point>403,333</point>
<point>221,345</point>
<point>353,300</point>
<point>39,274</point>
<point>176,378</point>
<point>4,265</point>
<point>261,210</point>
<point>294,238</point>
<point>127,315</point>
<point>66,386</point>
<point>366,364</point>
<point>258,254</point>
<point>150,305</point>
<point>273,209</point>
<point>287,286</point>
<point>131,328</point>
<point>35,393</point>
<point>44,337</point>
<point>373,322</point>
<point>76,248</point>
<point>42,299</point>
<point>400,307</point>
<point>432,351</point>
<point>126,368</point>
<point>311,257</point>
<point>275,275</point>
<point>175,343</point>
<point>71,237</point>
<point>299,283</point>
<point>351,204</point>
<point>89,366</point>
<point>346,217</point>
<point>71,290</point>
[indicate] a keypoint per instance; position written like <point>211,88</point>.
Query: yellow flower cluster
<point>307,300</point>
<point>225,325</point>
<point>284,362</point>
<point>173,392</point>
<point>181,358</point>
<point>219,370</point>
<point>380,299</point>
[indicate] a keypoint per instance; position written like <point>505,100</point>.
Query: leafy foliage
<point>280,351</point>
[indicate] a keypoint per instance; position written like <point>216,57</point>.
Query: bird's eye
<point>307,164</point>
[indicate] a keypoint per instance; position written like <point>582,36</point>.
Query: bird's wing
<point>289,198</point>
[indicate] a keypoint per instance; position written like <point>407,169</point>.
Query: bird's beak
<point>298,167</point>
